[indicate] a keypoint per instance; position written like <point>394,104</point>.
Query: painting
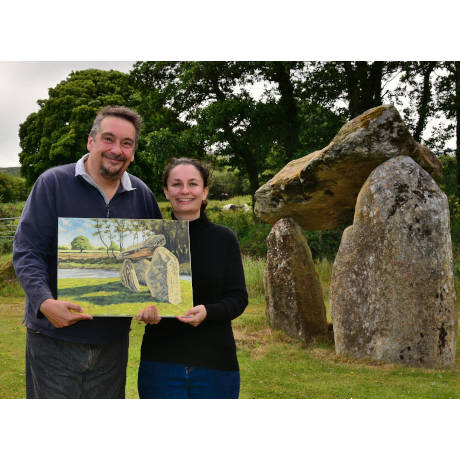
<point>117,267</point>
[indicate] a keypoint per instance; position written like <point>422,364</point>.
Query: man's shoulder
<point>59,171</point>
<point>138,183</point>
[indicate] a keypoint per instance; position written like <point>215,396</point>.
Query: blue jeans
<point>157,380</point>
<point>59,369</point>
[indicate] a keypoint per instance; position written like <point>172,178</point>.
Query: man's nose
<point>116,148</point>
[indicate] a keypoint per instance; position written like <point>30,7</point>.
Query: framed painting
<point>117,267</point>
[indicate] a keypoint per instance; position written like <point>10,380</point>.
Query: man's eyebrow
<point>108,133</point>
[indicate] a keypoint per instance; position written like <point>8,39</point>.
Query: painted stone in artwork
<point>141,267</point>
<point>392,292</point>
<point>144,249</point>
<point>128,276</point>
<point>163,276</point>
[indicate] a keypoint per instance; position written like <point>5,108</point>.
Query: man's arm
<point>35,248</point>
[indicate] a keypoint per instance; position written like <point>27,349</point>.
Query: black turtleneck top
<point>218,284</point>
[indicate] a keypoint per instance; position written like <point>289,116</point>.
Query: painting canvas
<point>116,267</point>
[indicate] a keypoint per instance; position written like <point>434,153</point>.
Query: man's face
<point>112,150</point>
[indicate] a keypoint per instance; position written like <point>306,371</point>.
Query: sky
<point>22,83</point>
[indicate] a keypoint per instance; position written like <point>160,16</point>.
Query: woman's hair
<point>203,168</point>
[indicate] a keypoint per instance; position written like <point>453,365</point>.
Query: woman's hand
<point>194,316</point>
<point>149,315</point>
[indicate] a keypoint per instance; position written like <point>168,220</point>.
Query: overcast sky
<point>22,84</point>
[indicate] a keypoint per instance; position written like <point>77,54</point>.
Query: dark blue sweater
<point>59,193</point>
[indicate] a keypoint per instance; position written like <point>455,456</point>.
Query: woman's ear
<point>165,191</point>
<point>205,192</point>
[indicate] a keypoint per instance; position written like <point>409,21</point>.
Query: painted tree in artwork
<point>81,243</point>
<point>98,225</point>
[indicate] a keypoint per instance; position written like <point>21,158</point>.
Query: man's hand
<point>61,313</point>
<point>194,316</point>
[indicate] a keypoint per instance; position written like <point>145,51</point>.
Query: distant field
<point>12,171</point>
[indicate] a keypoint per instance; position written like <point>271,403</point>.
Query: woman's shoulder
<point>222,230</point>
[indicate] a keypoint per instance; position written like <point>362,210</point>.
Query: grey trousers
<point>58,369</point>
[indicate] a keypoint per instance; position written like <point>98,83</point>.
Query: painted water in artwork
<point>117,267</point>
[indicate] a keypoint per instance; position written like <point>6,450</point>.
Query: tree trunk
<point>457,119</point>
<point>290,136</point>
<point>425,99</point>
<point>364,85</point>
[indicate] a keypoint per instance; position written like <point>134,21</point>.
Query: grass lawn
<point>272,365</point>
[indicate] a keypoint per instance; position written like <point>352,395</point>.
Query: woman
<point>194,356</point>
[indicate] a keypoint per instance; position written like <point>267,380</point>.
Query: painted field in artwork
<point>117,267</point>
<point>107,297</point>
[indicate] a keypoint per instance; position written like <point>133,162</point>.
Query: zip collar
<point>125,182</point>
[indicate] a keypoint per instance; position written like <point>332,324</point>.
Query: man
<point>69,354</point>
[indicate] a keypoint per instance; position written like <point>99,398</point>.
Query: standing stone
<point>163,276</point>
<point>392,290</point>
<point>128,276</point>
<point>292,288</point>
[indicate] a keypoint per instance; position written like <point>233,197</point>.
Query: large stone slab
<point>319,190</point>
<point>163,276</point>
<point>293,292</point>
<point>392,293</point>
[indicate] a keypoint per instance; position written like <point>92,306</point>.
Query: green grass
<point>272,364</point>
<point>107,296</point>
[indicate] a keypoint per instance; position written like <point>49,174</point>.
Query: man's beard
<point>110,174</point>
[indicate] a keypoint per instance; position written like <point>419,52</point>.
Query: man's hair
<point>120,112</point>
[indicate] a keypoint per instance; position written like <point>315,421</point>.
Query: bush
<point>225,183</point>
<point>12,188</point>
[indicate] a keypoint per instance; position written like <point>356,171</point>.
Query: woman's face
<point>185,191</point>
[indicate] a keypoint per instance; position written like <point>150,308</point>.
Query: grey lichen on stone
<point>392,293</point>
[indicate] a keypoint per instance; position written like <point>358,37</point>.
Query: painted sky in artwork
<point>69,228</point>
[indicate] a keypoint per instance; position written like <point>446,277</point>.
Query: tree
<point>416,92</point>
<point>223,118</point>
<point>80,243</point>
<point>448,91</point>
<point>99,226</point>
<point>12,188</point>
<point>58,132</point>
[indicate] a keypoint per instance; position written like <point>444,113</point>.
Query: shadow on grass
<point>116,294</point>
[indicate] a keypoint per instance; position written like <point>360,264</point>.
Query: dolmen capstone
<point>319,190</point>
<point>151,264</point>
<point>392,292</point>
<point>294,299</point>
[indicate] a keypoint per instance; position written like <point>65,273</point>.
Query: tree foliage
<point>80,243</point>
<point>12,188</point>
<point>223,117</point>
<point>58,132</point>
